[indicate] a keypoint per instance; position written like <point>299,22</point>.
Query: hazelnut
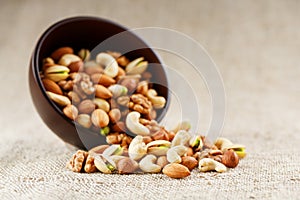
<point>127,166</point>
<point>230,159</point>
<point>190,162</point>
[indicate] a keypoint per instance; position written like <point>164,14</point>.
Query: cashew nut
<point>133,124</point>
<point>67,59</point>
<point>157,101</point>
<point>136,66</point>
<point>174,154</point>
<point>147,164</point>
<point>181,138</point>
<point>118,90</point>
<point>208,164</point>
<point>110,64</point>
<point>158,147</point>
<point>137,148</point>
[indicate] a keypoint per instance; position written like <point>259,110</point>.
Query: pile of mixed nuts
<point>113,96</point>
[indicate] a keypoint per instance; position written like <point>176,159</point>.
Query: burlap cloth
<point>256,45</point>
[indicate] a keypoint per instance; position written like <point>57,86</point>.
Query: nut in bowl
<point>64,71</point>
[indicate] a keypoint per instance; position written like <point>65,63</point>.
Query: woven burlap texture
<point>28,173</point>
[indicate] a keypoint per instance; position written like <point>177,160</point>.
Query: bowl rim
<point>51,28</point>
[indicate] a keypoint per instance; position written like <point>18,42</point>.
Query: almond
<point>190,162</point>
<point>86,106</point>
<point>59,99</point>
<point>176,170</point>
<point>76,66</point>
<point>100,118</point>
<point>71,112</point>
<point>102,92</point>
<point>102,79</point>
<point>57,54</point>
<point>51,86</point>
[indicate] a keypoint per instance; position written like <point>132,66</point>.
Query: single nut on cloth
<point>208,164</point>
<point>175,170</point>
<point>84,120</point>
<point>86,106</point>
<point>230,159</point>
<point>77,161</point>
<point>90,165</point>
<point>147,164</point>
<point>58,53</point>
<point>100,118</point>
<point>71,112</point>
<point>127,166</point>
<point>51,86</point>
<point>190,162</point>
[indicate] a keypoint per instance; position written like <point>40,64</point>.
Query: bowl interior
<point>88,32</point>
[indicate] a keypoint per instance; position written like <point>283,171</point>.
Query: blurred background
<point>255,44</point>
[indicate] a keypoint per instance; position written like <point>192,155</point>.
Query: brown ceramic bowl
<point>85,32</point>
